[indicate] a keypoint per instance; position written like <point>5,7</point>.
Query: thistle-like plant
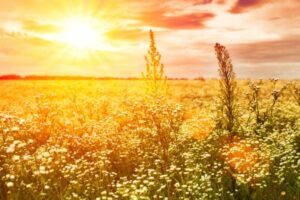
<point>228,86</point>
<point>295,90</point>
<point>263,108</point>
<point>154,76</point>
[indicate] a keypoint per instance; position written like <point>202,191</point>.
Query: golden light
<point>80,33</point>
<point>241,156</point>
<point>198,124</point>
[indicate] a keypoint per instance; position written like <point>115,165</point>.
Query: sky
<point>111,37</point>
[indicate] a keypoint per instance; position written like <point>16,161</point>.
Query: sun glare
<point>80,33</point>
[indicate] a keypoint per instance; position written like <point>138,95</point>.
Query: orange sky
<point>261,35</point>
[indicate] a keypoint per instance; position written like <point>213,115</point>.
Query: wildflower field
<point>113,140</point>
<point>140,100</point>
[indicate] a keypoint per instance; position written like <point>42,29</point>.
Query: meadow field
<point>140,100</point>
<point>113,140</point>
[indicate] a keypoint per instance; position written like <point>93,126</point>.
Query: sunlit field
<point>114,140</point>
<point>149,100</point>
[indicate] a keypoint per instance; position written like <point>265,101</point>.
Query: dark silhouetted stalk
<point>227,88</point>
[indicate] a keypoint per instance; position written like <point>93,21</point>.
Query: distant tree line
<point>39,77</point>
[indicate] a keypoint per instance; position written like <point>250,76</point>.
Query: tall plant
<point>228,86</point>
<point>154,76</point>
<point>295,89</point>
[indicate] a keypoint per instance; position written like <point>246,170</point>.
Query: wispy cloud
<point>245,5</point>
<point>282,50</point>
<point>188,21</point>
<point>127,34</point>
<point>32,25</point>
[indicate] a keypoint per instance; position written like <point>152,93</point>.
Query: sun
<point>80,33</point>
<point>81,38</point>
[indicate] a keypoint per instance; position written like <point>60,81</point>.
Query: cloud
<point>31,25</point>
<point>187,21</point>
<point>220,1</point>
<point>201,2</point>
<point>284,50</point>
<point>17,43</point>
<point>245,5</point>
<point>126,34</point>
<point>2,32</point>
